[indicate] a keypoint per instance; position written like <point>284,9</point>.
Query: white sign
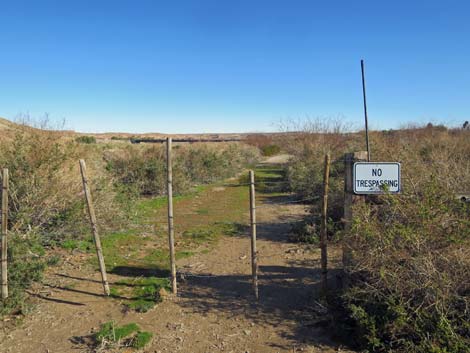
<point>376,177</point>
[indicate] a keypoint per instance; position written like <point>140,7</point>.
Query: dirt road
<point>215,310</point>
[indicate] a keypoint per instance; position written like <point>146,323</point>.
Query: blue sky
<point>240,65</point>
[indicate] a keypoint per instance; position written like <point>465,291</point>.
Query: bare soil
<point>214,311</point>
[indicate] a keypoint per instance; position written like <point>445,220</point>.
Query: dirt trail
<point>214,311</point>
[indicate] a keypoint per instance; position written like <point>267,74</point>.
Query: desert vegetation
<point>409,287</point>
<point>141,169</point>
<point>267,144</point>
<point>47,208</point>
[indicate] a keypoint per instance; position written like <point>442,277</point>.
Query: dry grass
<point>410,289</point>
<point>47,207</point>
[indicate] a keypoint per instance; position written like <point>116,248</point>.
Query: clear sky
<point>239,65</point>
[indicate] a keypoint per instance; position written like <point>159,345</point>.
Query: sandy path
<point>277,159</point>
<point>214,311</point>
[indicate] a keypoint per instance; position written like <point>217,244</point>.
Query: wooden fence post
<point>4,255</point>
<point>349,200</point>
<point>254,260</point>
<point>94,227</point>
<point>323,226</point>
<point>171,232</point>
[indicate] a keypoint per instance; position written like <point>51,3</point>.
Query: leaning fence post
<point>323,226</point>
<point>94,227</point>
<point>4,255</point>
<point>254,260</point>
<point>349,200</point>
<point>171,232</point>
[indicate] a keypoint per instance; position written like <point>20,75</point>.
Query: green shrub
<point>142,169</point>
<point>410,288</point>
<point>409,297</point>
<point>117,138</point>
<point>86,139</point>
<point>26,264</point>
<point>305,231</point>
<point>39,164</point>
<point>305,173</point>
<point>46,203</point>
<point>139,170</point>
<point>270,150</point>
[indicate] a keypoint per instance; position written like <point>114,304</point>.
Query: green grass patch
<point>271,180</point>
<point>200,235</point>
<point>142,294</point>
<point>110,332</point>
<point>146,208</point>
<point>120,248</point>
<point>53,260</point>
<point>157,256</point>
<point>204,211</point>
<point>114,292</point>
<point>141,339</point>
<point>269,173</point>
<point>211,233</point>
<point>183,254</point>
<point>128,335</point>
<point>231,228</point>
<point>141,305</point>
<point>82,245</point>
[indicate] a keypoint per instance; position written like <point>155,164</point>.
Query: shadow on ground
<point>287,294</point>
<point>139,271</point>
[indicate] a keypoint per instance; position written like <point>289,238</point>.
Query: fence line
<point>169,222</point>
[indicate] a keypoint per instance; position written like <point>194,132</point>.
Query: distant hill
<point>7,125</point>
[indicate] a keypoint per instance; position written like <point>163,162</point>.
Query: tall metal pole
<point>365,110</point>
<point>171,232</point>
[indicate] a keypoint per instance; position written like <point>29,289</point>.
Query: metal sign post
<point>365,109</point>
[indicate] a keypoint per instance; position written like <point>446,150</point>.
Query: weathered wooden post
<point>4,255</point>
<point>171,232</point>
<point>94,227</point>
<point>349,200</point>
<point>254,260</point>
<point>323,226</point>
